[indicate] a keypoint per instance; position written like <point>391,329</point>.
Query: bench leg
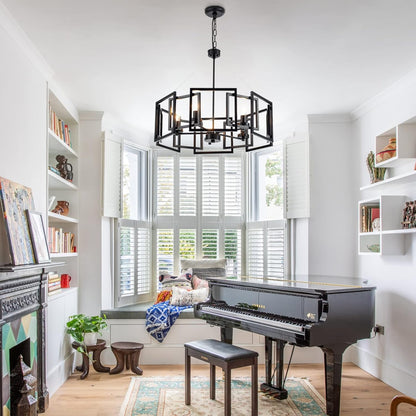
<point>227,392</point>
<point>254,389</point>
<point>212,382</point>
<point>187,378</point>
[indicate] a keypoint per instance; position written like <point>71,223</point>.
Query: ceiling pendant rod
<point>214,47</point>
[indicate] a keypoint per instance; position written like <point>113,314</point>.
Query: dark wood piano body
<point>328,312</point>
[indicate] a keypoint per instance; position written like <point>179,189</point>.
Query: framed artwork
<point>38,236</point>
<point>14,200</point>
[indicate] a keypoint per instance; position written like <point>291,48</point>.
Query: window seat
<point>139,312</point>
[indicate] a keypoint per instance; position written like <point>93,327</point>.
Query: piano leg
<point>227,335</point>
<point>333,372</point>
<point>276,390</point>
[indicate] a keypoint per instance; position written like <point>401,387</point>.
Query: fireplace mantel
<point>23,301</point>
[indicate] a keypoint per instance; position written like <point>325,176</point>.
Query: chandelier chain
<point>214,33</point>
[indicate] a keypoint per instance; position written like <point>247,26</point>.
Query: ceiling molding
<point>13,29</point>
<point>408,80</point>
<point>329,118</point>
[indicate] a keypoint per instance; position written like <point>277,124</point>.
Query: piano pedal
<point>273,392</point>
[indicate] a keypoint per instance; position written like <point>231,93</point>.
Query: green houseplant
<point>80,326</point>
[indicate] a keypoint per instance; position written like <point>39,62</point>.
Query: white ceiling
<point>307,56</point>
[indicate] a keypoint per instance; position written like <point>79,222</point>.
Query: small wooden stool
<point>128,352</point>
<point>96,349</point>
<point>226,356</point>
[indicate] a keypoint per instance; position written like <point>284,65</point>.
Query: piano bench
<point>227,357</point>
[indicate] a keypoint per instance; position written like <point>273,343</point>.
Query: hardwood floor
<point>102,395</point>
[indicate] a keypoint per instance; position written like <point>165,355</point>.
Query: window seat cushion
<point>139,312</point>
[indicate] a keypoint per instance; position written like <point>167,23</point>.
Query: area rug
<point>166,397</point>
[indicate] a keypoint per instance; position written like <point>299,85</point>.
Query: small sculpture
<point>409,215</point>
<point>62,208</point>
<point>65,168</point>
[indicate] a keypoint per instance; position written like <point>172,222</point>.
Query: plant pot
<point>90,338</point>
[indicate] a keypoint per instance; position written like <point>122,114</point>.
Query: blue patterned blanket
<point>160,318</point>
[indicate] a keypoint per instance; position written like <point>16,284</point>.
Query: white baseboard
<point>398,378</point>
<point>59,374</point>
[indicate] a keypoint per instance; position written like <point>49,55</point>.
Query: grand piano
<point>325,311</point>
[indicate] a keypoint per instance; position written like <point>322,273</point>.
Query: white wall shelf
<point>405,134</point>
<point>408,177</point>
<point>390,239</point>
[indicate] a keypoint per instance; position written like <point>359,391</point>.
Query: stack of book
<point>368,215</point>
<point>60,241</point>
<point>59,127</point>
<point>54,283</point>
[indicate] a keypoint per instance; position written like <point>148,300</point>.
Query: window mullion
<point>199,208</point>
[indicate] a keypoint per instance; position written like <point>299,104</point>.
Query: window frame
<point>145,222</point>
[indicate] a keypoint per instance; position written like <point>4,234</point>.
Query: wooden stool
<point>128,352</point>
<point>226,356</point>
<point>96,349</point>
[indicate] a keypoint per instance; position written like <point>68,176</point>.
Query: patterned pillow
<point>183,297</point>
<point>170,284</point>
<point>198,283</point>
<point>163,296</point>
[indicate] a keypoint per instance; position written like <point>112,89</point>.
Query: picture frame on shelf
<point>38,236</point>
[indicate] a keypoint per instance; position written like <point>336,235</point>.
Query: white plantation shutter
<point>165,251</point>
<point>199,210</point>
<point>165,186</point>
<point>275,252</point>
<point>210,244</point>
<point>232,186</point>
<point>210,186</point>
<point>187,186</point>
<point>144,259</point>
<point>134,262</point>
<point>266,249</point>
<point>127,260</point>
<point>255,252</point>
<point>232,252</point>
<point>187,244</point>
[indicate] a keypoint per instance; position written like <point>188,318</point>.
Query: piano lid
<point>302,283</point>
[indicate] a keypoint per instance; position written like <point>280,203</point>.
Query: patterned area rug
<point>166,397</point>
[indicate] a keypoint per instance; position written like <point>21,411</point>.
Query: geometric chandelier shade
<point>213,120</point>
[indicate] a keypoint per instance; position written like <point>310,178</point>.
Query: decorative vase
<point>388,151</point>
<point>90,338</point>
<point>376,174</point>
<point>62,208</point>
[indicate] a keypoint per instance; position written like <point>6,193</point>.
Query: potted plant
<point>84,329</point>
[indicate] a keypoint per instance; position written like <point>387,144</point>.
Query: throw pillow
<point>183,297</point>
<point>198,283</point>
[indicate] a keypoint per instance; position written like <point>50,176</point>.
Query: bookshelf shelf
<point>58,183</point>
<point>60,255</point>
<point>61,218</point>
<point>58,146</point>
<point>408,177</point>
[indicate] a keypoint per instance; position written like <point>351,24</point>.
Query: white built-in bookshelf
<point>63,139</point>
<point>389,237</point>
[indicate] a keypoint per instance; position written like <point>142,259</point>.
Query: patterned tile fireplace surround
<point>23,291</point>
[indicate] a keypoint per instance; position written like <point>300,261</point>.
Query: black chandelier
<point>214,120</point>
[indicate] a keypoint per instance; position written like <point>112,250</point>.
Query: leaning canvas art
<point>14,200</point>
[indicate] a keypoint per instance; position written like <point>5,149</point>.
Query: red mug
<point>65,279</point>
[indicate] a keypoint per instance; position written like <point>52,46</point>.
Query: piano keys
<point>324,311</point>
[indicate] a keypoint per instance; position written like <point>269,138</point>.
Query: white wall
<point>23,120</point>
<point>390,357</point>
<point>331,229</point>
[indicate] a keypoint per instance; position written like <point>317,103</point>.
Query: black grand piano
<point>324,311</point>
